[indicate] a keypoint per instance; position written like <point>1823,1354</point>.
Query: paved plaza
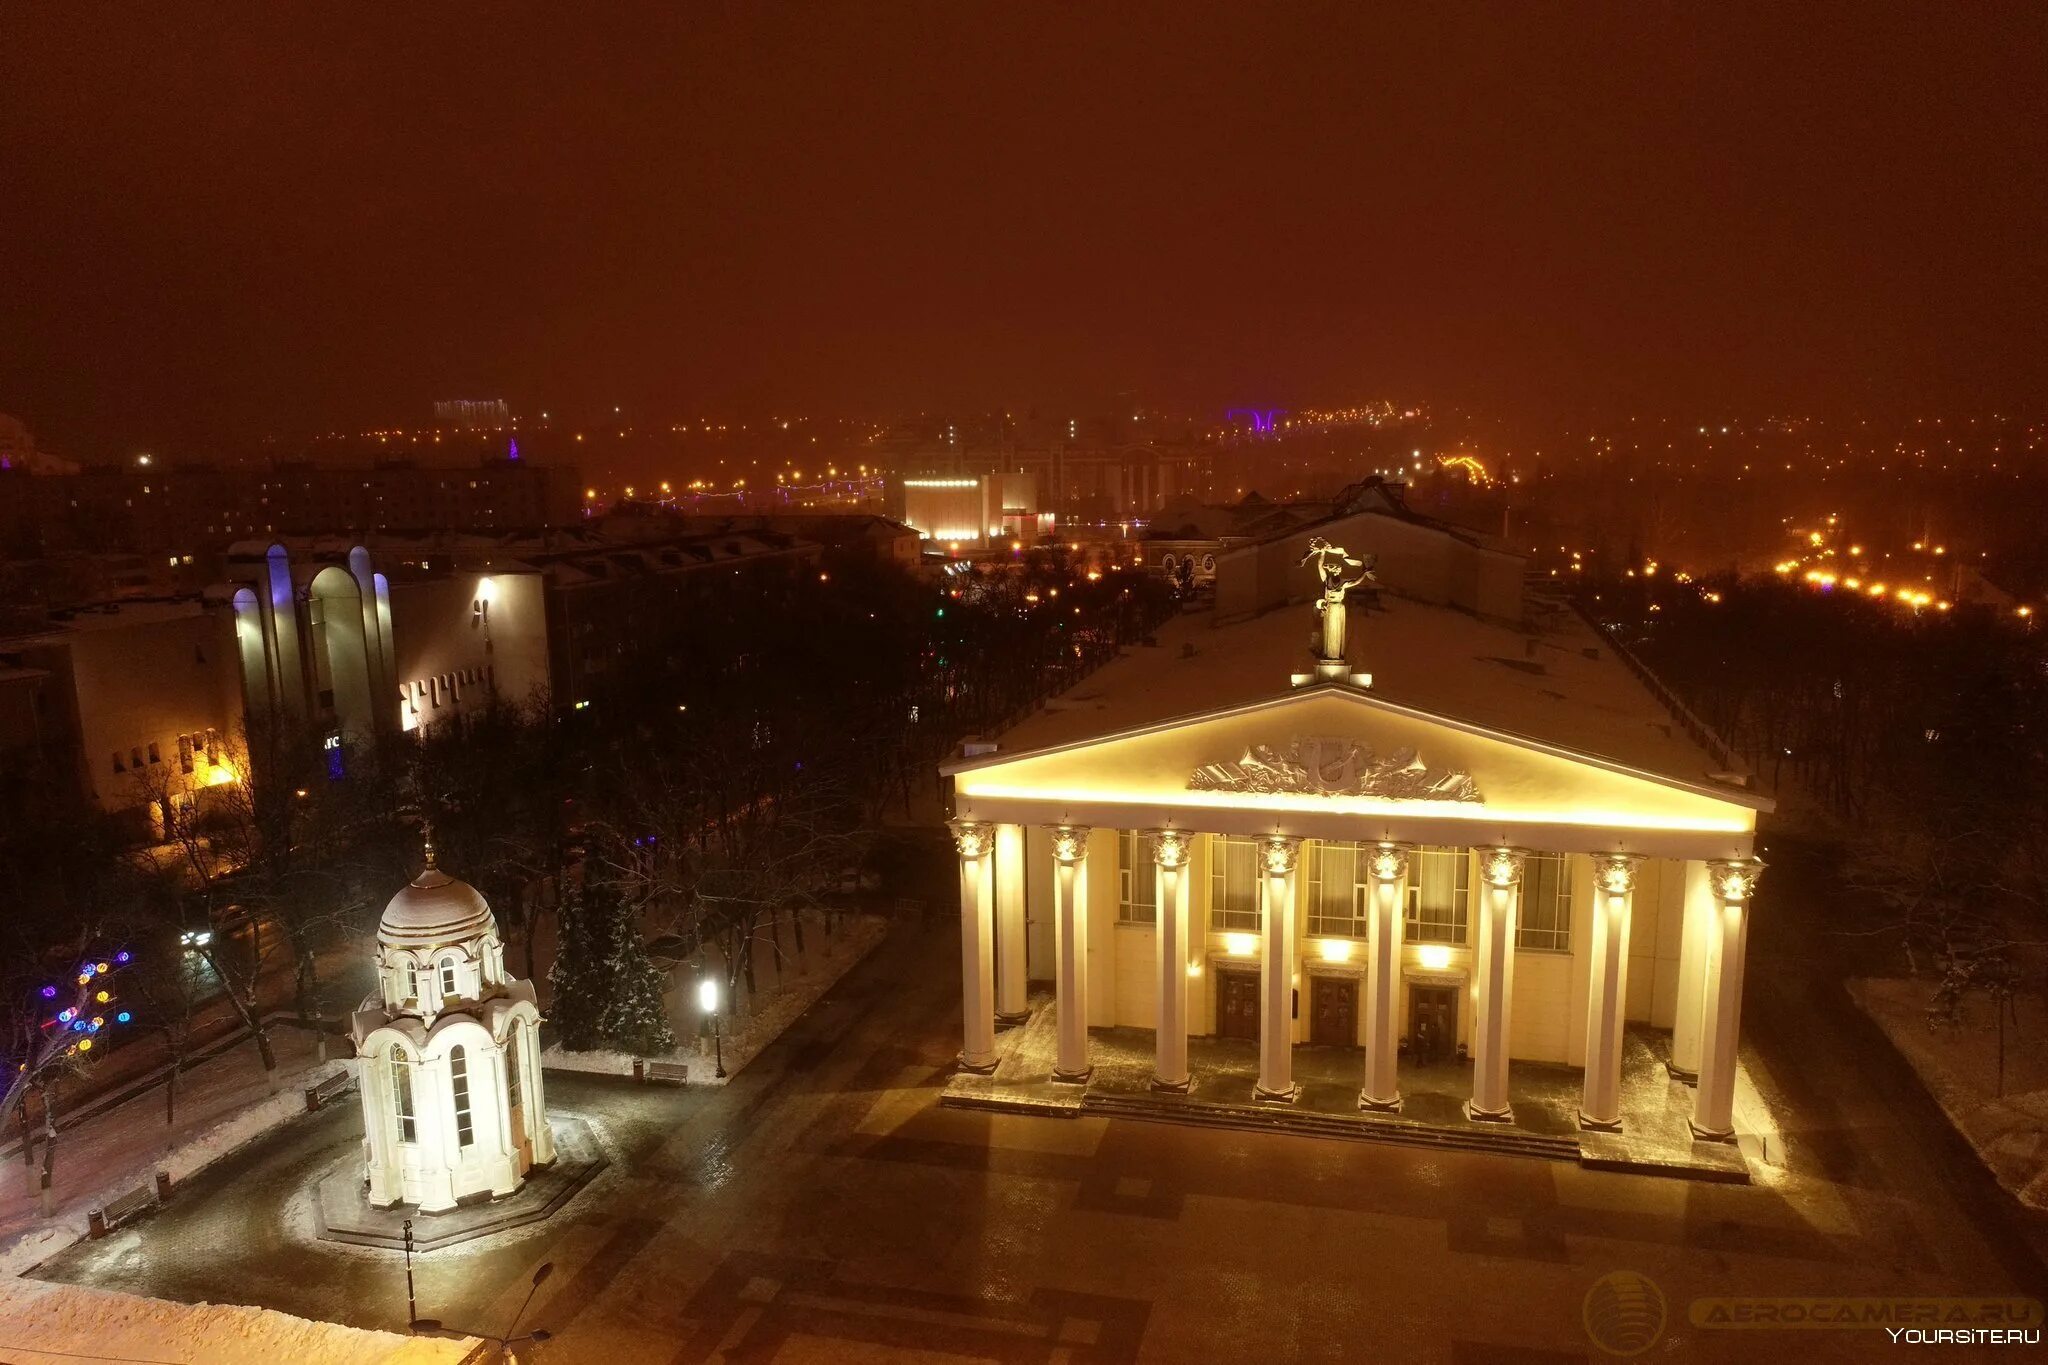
<point>826,1207</point>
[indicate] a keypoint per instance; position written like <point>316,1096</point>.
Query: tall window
<point>458,1080</point>
<point>1233,882</point>
<point>448,976</point>
<point>1336,889</point>
<point>512,1077</point>
<point>1439,895</point>
<point>1546,918</point>
<point>401,1096</point>
<point>1137,880</point>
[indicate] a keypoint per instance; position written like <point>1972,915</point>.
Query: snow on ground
<point>788,989</point>
<point>1960,1068</point>
<point>42,1322</point>
<point>222,1104</point>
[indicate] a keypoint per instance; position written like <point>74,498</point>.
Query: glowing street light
<point>707,1001</point>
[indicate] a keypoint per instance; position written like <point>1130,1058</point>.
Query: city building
<point>619,590</point>
<point>1457,828</point>
<point>1184,538</point>
<point>329,640</point>
<point>449,1054</point>
<point>970,509</point>
<point>148,702</point>
<point>473,413</point>
<point>180,516</point>
<point>136,703</point>
<point>1258,546</point>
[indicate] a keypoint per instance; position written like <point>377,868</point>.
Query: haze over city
<point>300,220</point>
<point>1097,686</point>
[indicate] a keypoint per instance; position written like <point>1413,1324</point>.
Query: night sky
<point>225,220</point>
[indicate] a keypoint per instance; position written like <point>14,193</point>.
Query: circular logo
<point>1624,1313</point>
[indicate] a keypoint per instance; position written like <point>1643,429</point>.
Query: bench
<point>662,1073</point>
<point>128,1207</point>
<point>340,1083</point>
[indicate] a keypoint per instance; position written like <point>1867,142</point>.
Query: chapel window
<point>458,1080</point>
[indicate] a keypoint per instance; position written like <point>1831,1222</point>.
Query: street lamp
<point>433,1327</point>
<point>707,1001</point>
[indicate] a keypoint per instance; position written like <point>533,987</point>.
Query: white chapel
<point>453,1109</point>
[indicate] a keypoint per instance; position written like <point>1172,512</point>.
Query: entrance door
<point>1237,1005</point>
<point>1333,1005</point>
<point>1432,1023</point>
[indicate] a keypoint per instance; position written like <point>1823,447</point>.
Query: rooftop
<point>1556,681</point>
<point>118,615</point>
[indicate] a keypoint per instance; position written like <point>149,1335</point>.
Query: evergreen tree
<point>607,991</point>
<point>577,1003</point>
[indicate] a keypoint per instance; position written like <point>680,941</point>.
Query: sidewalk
<point>787,987</point>
<point>222,1103</point>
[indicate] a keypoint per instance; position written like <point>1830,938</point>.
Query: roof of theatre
<point>1556,681</point>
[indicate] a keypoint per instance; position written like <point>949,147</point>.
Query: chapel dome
<point>436,909</point>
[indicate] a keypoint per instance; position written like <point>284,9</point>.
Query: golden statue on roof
<point>1332,563</point>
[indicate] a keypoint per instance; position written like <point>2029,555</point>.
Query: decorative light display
<point>92,989</point>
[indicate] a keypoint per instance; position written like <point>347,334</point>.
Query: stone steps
<point>1286,1119</point>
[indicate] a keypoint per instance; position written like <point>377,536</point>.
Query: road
<point>824,1207</point>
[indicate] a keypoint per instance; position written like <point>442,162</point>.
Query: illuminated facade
<point>449,1049</point>
<point>331,639</point>
<point>1340,863</point>
<point>970,508</point>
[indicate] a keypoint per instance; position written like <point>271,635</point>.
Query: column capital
<point>1069,843</point>
<point>973,838</point>
<point>1278,853</point>
<point>1388,861</point>
<point>1502,866</point>
<point>1735,879</point>
<point>1616,872</point>
<point>1170,847</point>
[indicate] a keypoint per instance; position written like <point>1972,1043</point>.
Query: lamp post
<point>707,1001</point>
<point>434,1327</point>
<point>412,1307</point>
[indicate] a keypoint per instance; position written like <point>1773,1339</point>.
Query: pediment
<point>1302,758</point>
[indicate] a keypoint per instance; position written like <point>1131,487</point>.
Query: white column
<point>1713,1103</point>
<point>1696,929</point>
<point>1388,865</point>
<point>1170,944</point>
<point>976,843</point>
<point>1012,975</point>
<point>535,1097</point>
<point>508,1140</point>
<point>380,1138</point>
<point>1499,904</point>
<point>1614,879</point>
<point>1070,934</point>
<point>1278,857</point>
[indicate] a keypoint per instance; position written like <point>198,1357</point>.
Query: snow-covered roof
<point>434,911</point>
<point>1557,681</point>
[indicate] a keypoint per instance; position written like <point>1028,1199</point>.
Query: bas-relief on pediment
<point>1328,765</point>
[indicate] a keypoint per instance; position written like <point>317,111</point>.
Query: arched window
<point>447,976</point>
<point>458,1080</point>
<point>512,1078</point>
<point>401,1095</point>
<point>409,978</point>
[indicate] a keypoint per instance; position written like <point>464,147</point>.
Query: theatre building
<point>1440,833</point>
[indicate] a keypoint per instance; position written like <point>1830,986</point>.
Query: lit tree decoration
<point>67,1036</point>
